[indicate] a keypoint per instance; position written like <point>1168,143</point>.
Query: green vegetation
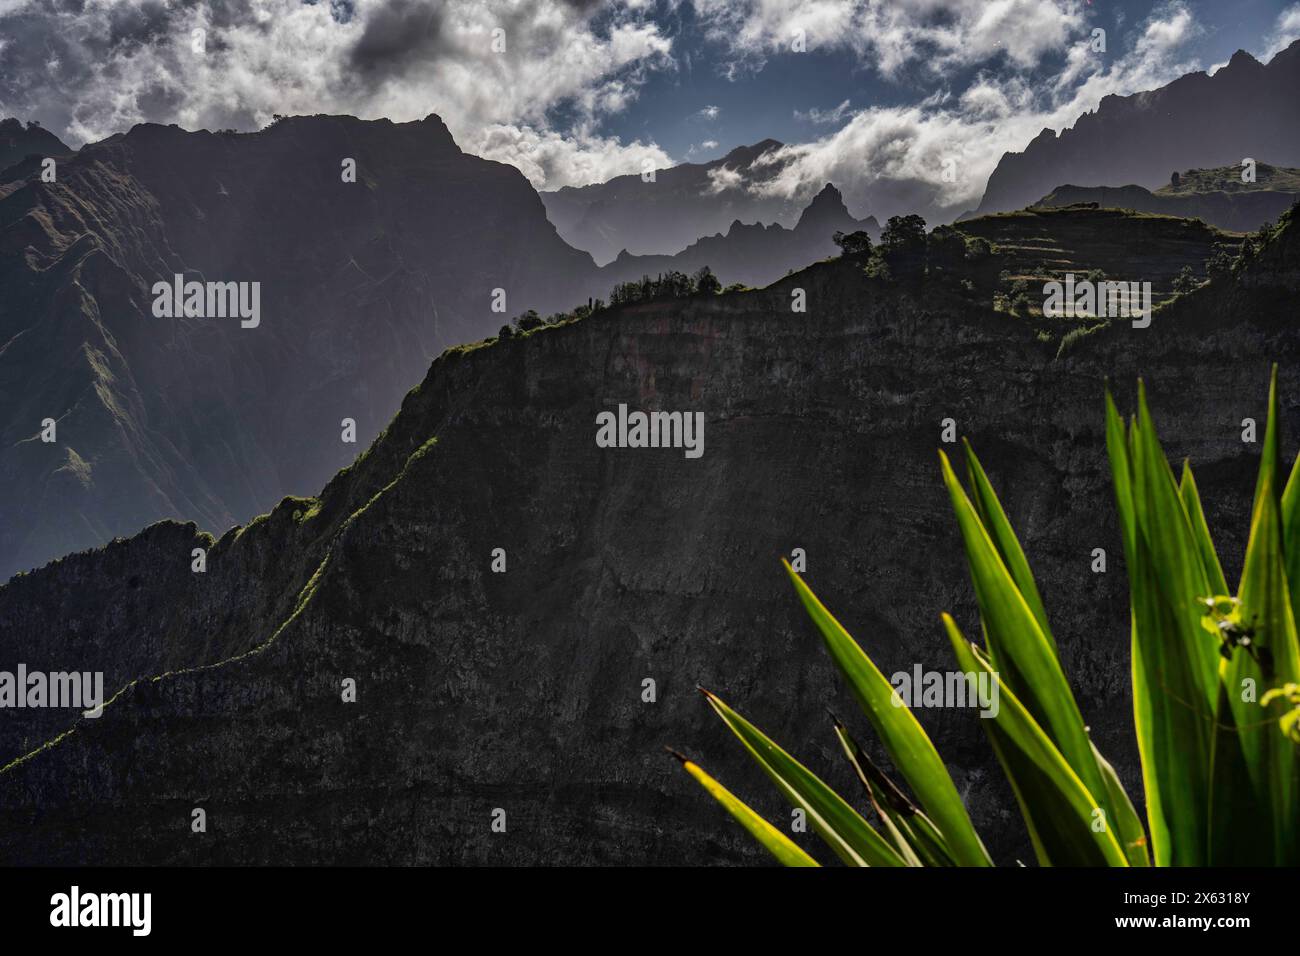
<point>853,245</point>
<point>1186,281</point>
<point>1216,690</point>
<point>667,285</point>
<point>1228,179</point>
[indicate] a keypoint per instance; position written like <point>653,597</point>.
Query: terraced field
<point>1040,245</point>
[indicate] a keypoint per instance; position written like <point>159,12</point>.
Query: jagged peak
<point>1242,59</point>
<point>826,205</point>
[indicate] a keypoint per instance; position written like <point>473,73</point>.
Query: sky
<point>868,94</point>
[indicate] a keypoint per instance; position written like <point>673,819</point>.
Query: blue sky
<point>578,91</point>
<point>762,103</point>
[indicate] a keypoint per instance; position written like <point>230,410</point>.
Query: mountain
<point>682,204</point>
<point>522,690</point>
<point>754,255</point>
<point>1215,196</point>
<point>360,284</point>
<point>1251,108</point>
<point>17,142</point>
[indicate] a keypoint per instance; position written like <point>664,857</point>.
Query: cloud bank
<point>494,71</point>
<point>532,82</point>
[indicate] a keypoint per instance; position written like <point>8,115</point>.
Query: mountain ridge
<point>684,203</point>
<point>1162,130</point>
<point>362,283</point>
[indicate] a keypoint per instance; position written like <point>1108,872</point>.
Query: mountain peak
<point>745,155</point>
<point>1243,59</point>
<point>827,210</point>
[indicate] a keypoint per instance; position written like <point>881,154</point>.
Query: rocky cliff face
<point>361,283</point>
<point>1161,131</point>
<point>522,690</point>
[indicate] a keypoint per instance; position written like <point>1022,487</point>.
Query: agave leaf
<point>1130,833</point>
<point>995,522</point>
<point>906,822</point>
<point>1270,452</point>
<point>1117,445</point>
<point>1175,662</point>
<point>909,748</point>
<point>786,851</point>
<point>1062,815</point>
<point>1191,499</point>
<point>1291,532</point>
<point>1026,660</point>
<point>896,833</point>
<point>851,837</point>
<point>1270,660</point>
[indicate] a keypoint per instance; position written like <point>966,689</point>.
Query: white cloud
<point>889,160</point>
<point>724,178</point>
<point>123,62</point>
<point>577,158</point>
<point>823,117</point>
<point>710,112</point>
<point>938,34</point>
<point>1285,32</point>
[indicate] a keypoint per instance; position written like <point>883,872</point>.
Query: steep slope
<point>17,142</point>
<point>1139,139</point>
<point>204,419</point>
<point>523,690</point>
<point>754,255</point>
<point>682,204</point>
<point>1215,196</point>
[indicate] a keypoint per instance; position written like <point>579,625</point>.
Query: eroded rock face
<point>361,284</point>
<point>1162,130</point>
<point>522,690</point>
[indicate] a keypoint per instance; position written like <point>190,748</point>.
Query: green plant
<point>853,245</point>
<point>1185,281</point>
<point>1216,693</point>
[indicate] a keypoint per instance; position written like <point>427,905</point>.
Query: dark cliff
<point>521,690</point>
<point>362,283</point>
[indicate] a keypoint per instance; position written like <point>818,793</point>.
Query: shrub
<point>903,234</point>
<point>1185,281</point>
<point>529,320</point>
<point>1220,263</point>
<point>705,282</point>
<point>1216,691</point>
<point>853,245</point>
